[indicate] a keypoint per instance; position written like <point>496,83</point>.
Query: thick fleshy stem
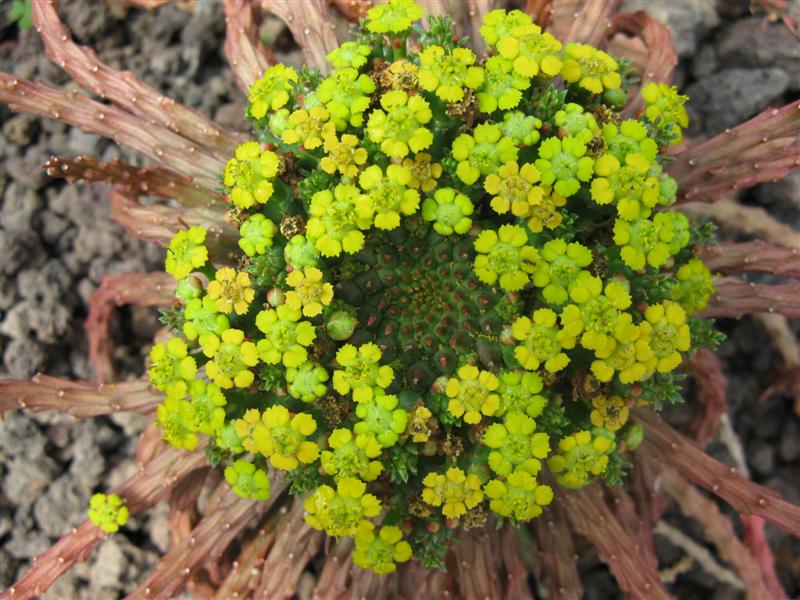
<point>165,147</point>
<point>706,369</point>
<point>140,493</point>
<point>183,511</point>
<point>77,398</point>
<point>660,59</point>
<point>718,530</point>
<point>736,298</point>
<point>226,516</point>
<point>242,579</point>
<point>311,26</point>
<point>765,148</point>
<point>144,289</point>
<point>149,181</point>
<point>556,561</point>
<point>633,565</point>
<point>579,22</point>
<point>352,9</point>
<point>744,496</point>
<point>247,55</point>
<point>124,88</point>
<point>333,580</point>
<point>477,564</point>
<point>295,545</point>
<point>753,257</point>
<point>541,11</point>
<point>752,220</point>
<point>158,223</point>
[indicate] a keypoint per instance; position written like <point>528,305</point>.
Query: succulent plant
<point>430,307</point>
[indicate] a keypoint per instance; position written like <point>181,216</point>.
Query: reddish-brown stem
<point>660,59</point>
<point>736,298</point>
<point>689,460</point>
<point>718,530</point>
<point>757,256</point>
<point>144,289</point>
<point>226,517</point>
<point>125,89</point>
<point>556,559</point>
<point>295,544</point>
<point>756,541</point>
<point>148,181</point>
<point>77,398</point>
<point>634,566</point>
<point>765,148</point>
<point>247,55</point>
<point>311,26</point>
<point>158,223</point>
<point>541,11</point>
<point>706,369</point>
<point>577,21</point>
<point>165,147</point>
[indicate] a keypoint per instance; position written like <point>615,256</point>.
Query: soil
<point>56,243</point>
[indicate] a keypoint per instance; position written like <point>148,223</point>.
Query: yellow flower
<point>581,456</point>
<point>542,342</point>
<point>232,361</point>
<point>424,172</point>
<point>512,188</point>
<point>609,412</point>
<point>231,291</point>
<point>341,511</point>
<point>472,394</point>
<point>343,154</point>
<point>454,491</point>
<point>361,372</point>
<point>310,292</point>
<point>309,127</point>
<point>283,438</point>
<point>590,68</point>
<point>668,334</point>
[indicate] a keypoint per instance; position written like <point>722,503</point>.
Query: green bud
<point>341,325</point>
<point>634,435</point>
<point>615,98</point>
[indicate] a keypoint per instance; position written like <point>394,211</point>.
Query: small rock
<point>789,448</point>
<point>27,169</point>
<point>7,569</point>
<point>60,508</point>
<point>109,564</point>
<point>21,129</point>
<point>27,478</point>
<point>157,526</point>
<point>52,226</point>
<point>27,544</point>
<point>731,96</point>
<point>44,319</point>
<point>687,21</point>
<point>88,459</point>
<point>66,586</point>
<point>19,248</point>
<point>754,43</point>
<point>21,437</point>
<point>782,198</point>
<point>84,143</point>
<point>51,280</point>
<point>19,207</point>
<point>23,358</point>
<point>130,423</point>
<point>761,458</point>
